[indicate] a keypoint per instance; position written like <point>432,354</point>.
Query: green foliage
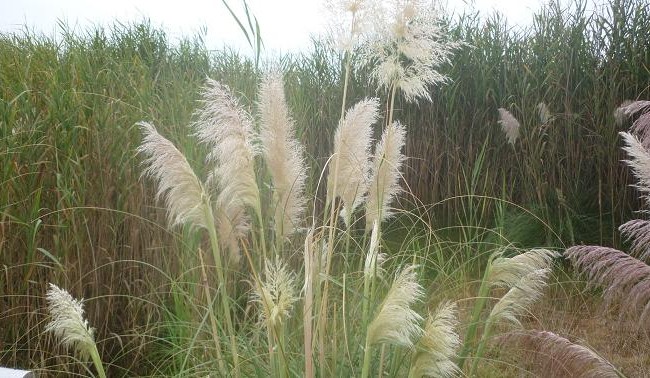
<point>73,209</point>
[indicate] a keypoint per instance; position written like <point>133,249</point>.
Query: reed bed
<point>409,253</point>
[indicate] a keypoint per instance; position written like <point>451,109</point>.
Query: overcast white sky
<point>286,24</point>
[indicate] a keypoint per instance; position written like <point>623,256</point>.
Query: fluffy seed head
<point>554,356</point>
<point>630,109</point>
<point>637,231</point>
<point>67,321</point>
<point>349,166</point>
<point>385,174</point>
<point>434,356</point>
<point>396,323</point>
<point>350,20</point>
<point>276,295</point>
<point>507,272</point>
<point>178,185</point>
<point>283,155</point>
<point>626,280</point>
<point>517,300</point>
<point>227,128</point>
<point>639,161</point>
<point>407,46</point>
<point>509,125</point>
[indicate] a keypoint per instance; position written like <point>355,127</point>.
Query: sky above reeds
<point>286,25</point>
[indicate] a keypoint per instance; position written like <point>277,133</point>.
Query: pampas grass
<point>395,323</point>
<point>227,129</point>
<point>626,280</point>
<point>385,174</point>
<point>629,109</point>
<point>69,326</point>
<point>507,272</point>
<point>438,345</point>
<point>275,295</point>
<point>407,46</point>
<point>519,298</point>
<point>637,232</point>
<point>178,186</point>
<point>639,161</point>
<point>509,125</point>
<point>283,155</point>
<point>349,166</point>
<point>554,356</point>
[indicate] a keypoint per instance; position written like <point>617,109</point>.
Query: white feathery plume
<point>232,225</point>
<point>283,155</point>
<point>396,323</point>
<point>629,108</point>
<point>517,300</point>
<point>552,355</point>
<point>507,272</point>
<point>509,125</point>
<point>407,46</point>
<point>349,166</point>
<point>227,128</point>
<point>68,323</point>
<point>639,162</point>
<point>276,294</point>
<point>182,192</point>
<point>385,174</point>
<point>351,20</point>
<point>434,356</point>
<point>374,259</point>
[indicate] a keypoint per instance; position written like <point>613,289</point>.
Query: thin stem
<point>216,253</point>
<point>307,312</point>
<point>392,104</point>
<point>366,359</point>
<point>382,355</point>
<point>213,319</point>
<point>481,346</point>
<point>476,314</point>
<point>97,361</point>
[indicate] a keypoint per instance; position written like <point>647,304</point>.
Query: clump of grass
<point>555,356</point>
<point>70,327</point>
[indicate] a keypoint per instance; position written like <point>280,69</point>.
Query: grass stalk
<point>481,301</point>
<point>213,319</point>
<point>216,253</point>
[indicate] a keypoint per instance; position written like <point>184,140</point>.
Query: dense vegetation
<point>74,209</point>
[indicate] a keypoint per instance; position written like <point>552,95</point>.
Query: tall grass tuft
<point>626,280</point>
<point>284,156</point>
<point>385,174</point>
<point>438,345</point>
<point>349,167</point>
<point>70,327</point>
<point>555,356</point>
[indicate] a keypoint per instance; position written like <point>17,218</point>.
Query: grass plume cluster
<point>75,210</point>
